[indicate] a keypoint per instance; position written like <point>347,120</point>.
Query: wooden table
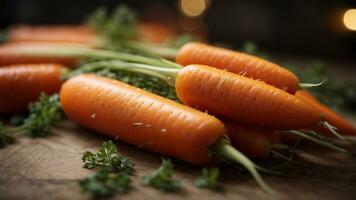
<point>49,168</point>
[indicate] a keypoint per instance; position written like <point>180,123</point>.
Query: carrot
<point>238,63</point>
<point>148,121</point>
<point>230,96</point>
<point>342,125</point>
<point>147,32</point>
<point>63,33</point>
<point>21,84</point>
<point>250,141</point>
<point>242,99</point>
<point>140,118</point>
<point>11,53</point>
<point>155,32</point>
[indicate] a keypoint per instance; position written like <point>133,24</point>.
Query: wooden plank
<point>48,168</point>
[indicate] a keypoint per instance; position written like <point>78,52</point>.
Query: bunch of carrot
<point>227,95</point>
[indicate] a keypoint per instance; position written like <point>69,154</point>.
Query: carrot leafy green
<point>162,178</point>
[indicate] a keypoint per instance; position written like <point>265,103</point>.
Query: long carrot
<point>21,84</point>
<point>238,63</point>
<point>46,33</point>
<point>342,125</point>
<point>147,32</point>
<point>11,54</point>
<point>148,121</point>
<point>231,96</point>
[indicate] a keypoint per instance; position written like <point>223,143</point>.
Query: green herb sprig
<point>104,184</point>
<point>209,179</point>
<point>43,114</point>
<point>112,175</point>
<point>107,158</point>
<point>162,178</point>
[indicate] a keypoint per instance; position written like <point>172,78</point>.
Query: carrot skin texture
<point>9,56</point>
<point>343,125</point>
<point>140,118</point>
<point>238,63</point>
<point>48,33</point>
<point>250,141</point>
<point>22,84</point>
<point>243,100</point>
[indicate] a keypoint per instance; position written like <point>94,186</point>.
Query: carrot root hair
<point>320,142</point>
<point>310,85</point>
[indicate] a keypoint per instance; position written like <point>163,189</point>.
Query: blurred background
<point>316,29</point>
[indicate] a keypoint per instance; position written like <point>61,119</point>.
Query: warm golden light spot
<point>350,19</point>
<point>193,8</point>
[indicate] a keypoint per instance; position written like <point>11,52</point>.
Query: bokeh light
<point>350,19</point>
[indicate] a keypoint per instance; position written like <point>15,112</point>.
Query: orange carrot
<point>63,33</point>
<point>250,141</point>
<point>149,121</point>
<point>243,100</point>
<point>155,32</point>
<point>140,118</point>
<point>238,63</point>
<point>21,84</point>
<point>147,32</point>
<point>342,125</point>
<point>11,54</point>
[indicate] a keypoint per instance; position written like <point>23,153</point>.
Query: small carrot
<point>238,63</point>
<point>274,137</point>
<point>11,53</point>
<point>46,33</point>
<point>21,84</point>
<point>342,125</point>
<point>250,141</point>
<point>230,96</point>
<point>155,32</point>
<point>148,121</point>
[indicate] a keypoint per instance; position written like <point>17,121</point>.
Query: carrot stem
<point>83,52</point>
<point>159,50</point>
<point>310,85</point>
<point>224,149</point>
<point>320,142</point>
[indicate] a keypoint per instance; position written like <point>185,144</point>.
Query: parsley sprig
<point>112,175</point>
<point>209,179</point>
<point>104,184</point>
<point>43,114</point>
<point>162,178</point>
<point>5,138</point>
<point>107,158</point>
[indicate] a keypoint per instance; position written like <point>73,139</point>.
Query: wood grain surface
<point>49,168</point>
